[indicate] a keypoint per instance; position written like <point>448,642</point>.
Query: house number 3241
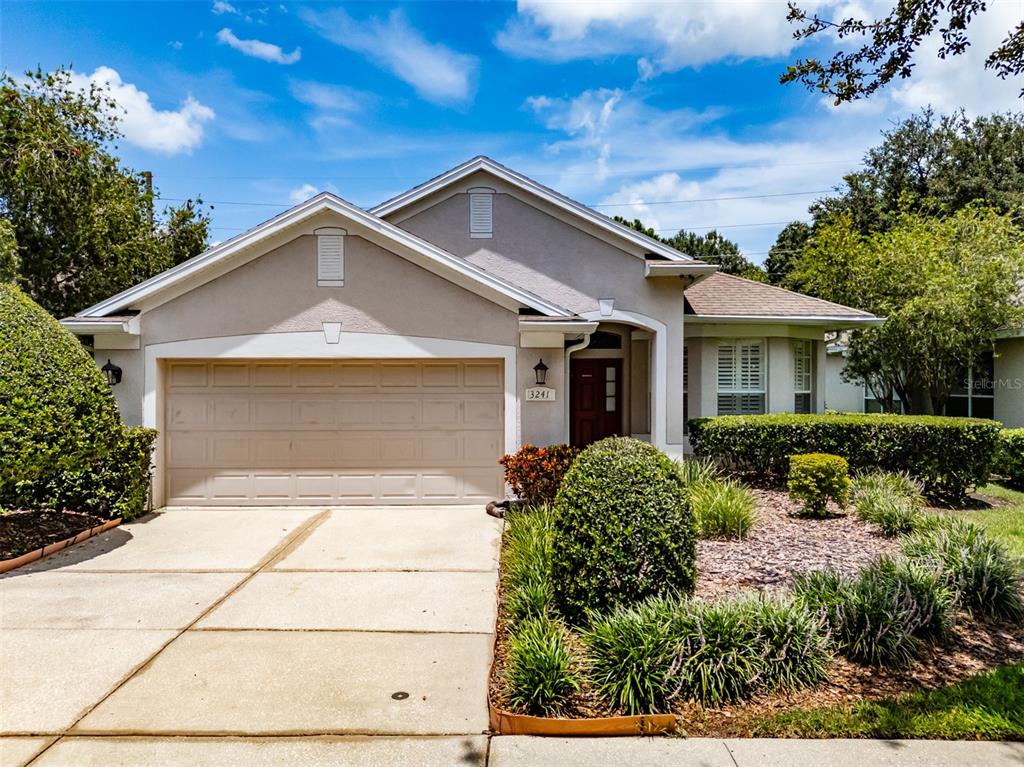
<point>540,394</point>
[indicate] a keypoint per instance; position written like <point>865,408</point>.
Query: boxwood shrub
<point>56,410</point>
<point>623,530</point>
<point>1010,459</point>
<point>817,478</point>
<point>947,455</point>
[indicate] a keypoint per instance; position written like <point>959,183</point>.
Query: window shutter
<point>481,214</point>
<point>727,367</point>
<point>330,260</point>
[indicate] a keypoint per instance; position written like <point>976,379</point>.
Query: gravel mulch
<point>779,546</point>
<point>25,531</point>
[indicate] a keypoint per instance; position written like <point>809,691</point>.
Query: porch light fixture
<point>112,372</point>
<point>541,371</point>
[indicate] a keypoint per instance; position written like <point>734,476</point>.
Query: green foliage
<point>623,529</point>
<point>722,508</point>
<point>8,252</point>
<point>980,570</point>
<point>947,455</point>
<point>787,249</point>
<point>526,554</point>
<point>1010,459</point>
<point>1005,520</point>
<point>817,478</point>
<point>536,473</point>
<point>695,471</point>
<point>84,224</point>
<point>967,267</point>
<point>892,501</point>
<point>988,706</point>
<point>56,411</point>
<point>541,676</point>
<point>794,643</point>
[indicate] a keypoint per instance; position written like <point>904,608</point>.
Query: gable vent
<point>330,257</point>
<point>481,213</point>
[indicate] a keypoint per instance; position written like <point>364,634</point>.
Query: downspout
<point>568,414</point>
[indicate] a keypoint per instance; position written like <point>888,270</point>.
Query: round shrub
<point>1010,458</point>
<point>535,473</point>
<point>722,508</point>
<point>541,676</point>
<point>56,411</point>
<point>623,529</point>
<point>816,478</point>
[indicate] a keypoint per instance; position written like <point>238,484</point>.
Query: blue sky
<point>667,111</point>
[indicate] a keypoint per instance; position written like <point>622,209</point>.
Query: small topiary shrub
<point>947,455</point>
<point>536,473</point>
<point>816,478</point>
<point>722,508</point>
<point>979,570</point>
<point>526,554</point>
<point>541,675</point>
<point>891,501</point>
<point>1010,458</point>
<point>623,529</point>
<point>56,410</point>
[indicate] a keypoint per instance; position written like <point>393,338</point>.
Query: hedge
<point>623,529</point>
<point>947,455</point>
<point>1010,460</point>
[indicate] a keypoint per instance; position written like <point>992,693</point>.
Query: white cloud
<point>220,7</point>
<point>437,73</point>
<point>329,98</point>
<point>302,193</point>
<point>176,45</point>
<point>669,35</point>
<point>259,49</point>
<point>168,131</point>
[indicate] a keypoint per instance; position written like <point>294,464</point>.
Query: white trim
<point>566,326</point>
<point>102,326</point>
<point>312,345</point>
<point>662,269</point>
<point>474,278</point>
<point>659,367</point>
<point>785,319</point>
<point>605,224</point>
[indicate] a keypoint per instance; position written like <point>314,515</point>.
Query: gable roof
<point>514,178</point>
<point>428,255</point>
<point>726,297</point>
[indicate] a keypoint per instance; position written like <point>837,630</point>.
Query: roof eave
<point>831,322</point>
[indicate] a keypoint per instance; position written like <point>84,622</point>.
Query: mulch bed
<point>25,531</point>
<point>778,546</point>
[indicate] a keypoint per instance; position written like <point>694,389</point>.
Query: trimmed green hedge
<point>1010,460</point>
<point>947,455</point>
<point>623,529</point>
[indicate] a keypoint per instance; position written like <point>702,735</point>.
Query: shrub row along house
<point>338,355</point>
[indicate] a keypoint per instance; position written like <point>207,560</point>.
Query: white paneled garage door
<point>325,432</point>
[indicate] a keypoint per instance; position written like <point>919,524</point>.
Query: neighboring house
<point>337,355</point>
<point>993,388</point>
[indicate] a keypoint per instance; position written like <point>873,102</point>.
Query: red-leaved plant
<point>535,473</point>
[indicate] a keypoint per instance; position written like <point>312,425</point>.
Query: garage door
<point>313,432</point>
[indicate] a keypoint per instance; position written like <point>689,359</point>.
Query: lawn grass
<point>989,706</point>
<point>1006,522</point>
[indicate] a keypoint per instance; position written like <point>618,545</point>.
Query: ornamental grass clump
<point>697,471</point>
<point>982,573</point>
<point>722,508</point>
<point>892,501</point>
<point>794,643</point>
<point>527,562</point>
<point>623,530</point>
<point>817,478</point>
<point>541,675</point>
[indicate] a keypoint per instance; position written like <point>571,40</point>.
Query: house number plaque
<point>540,394</point>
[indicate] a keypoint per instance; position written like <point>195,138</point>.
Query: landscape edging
<point>6,565</point>
<point>507,723</point>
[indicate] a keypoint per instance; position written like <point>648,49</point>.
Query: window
<point>481,218</point>
<point>741,389</point>
<point>610,388</point>
<point>803,376</point>
<point>974,394</point>
<point>330,257</point>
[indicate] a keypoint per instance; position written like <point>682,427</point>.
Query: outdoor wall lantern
<point>541,371</point>
<point>112,372</point>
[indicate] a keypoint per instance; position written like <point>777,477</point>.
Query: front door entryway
<point>595,396</point>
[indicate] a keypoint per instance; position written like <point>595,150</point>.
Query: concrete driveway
<point>243,628</point>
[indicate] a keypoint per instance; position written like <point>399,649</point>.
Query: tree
<point>8,252</point>
<point>712,248</point>
<point>784,253</point>
<point>891,43</point>
<point>83,224</point>
<point>946,287</point>
<point>934,165</point>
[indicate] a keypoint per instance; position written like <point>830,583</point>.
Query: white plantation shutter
<point>803,376</point>
<point>330,258</point>
<point>741,373</point>
<point>481,213</point>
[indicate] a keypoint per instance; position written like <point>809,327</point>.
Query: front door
<point>595,396</point>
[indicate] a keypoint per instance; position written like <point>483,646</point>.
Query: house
<point>992,388</point>
<point>337,355</point>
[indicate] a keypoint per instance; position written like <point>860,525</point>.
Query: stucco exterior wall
<point>840,395</point>
<point>1009,396</point>
<point>567,266</point>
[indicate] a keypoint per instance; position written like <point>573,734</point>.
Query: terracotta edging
<point>506,723</point>
<point>6,565</point>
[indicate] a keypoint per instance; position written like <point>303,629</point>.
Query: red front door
<point>595,397</point>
